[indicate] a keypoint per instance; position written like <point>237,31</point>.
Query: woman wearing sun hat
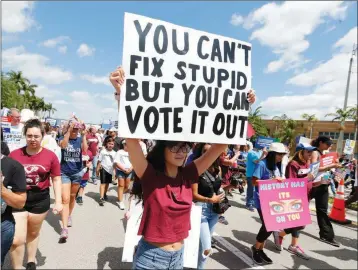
<point>266,169</point>
<point>298,167</point>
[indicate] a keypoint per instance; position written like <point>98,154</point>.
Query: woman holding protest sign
<point>298,167</point>
<point>40,164</point>
<point>267,169</point>
<point>72,169</point>
<point>167,195</point>
<point>320,191</point>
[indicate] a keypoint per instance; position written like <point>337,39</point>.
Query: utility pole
<point>341,133</point>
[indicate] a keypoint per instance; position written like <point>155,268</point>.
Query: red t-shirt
<point>295,169</point>
<point>86,158</point>
<point>38,168</point>
<point>92,141</point>
<point>167,204</point>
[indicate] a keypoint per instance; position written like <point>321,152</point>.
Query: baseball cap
<point>277,147</point>
<point>305,146</point>
<point>112,129</point>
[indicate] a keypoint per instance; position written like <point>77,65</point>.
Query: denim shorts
<point>148,256</point>
<point>83,183</point>
<point>72,179</point>
<point>7,236</point>
<point>121,174</point>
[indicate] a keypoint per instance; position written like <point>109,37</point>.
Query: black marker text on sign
<point>183,84</point>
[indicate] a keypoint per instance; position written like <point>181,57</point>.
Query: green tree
<point>9,96</point>
<point>343,115</point>
<point>255,119</point>
<point>50,109</point>
<point>286,129</point>
<point>310,118</point>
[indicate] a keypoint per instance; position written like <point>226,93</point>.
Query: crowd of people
<point>167,176</point>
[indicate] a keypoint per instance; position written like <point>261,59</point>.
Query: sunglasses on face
<point>183,148</point>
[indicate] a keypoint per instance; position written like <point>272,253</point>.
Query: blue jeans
<point>249,192</point>
<point>208,222</point>
<point>94,167</point>
<point>7,236</point>
<point>148,256</point>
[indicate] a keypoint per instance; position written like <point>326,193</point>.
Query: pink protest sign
<point>284,204</point>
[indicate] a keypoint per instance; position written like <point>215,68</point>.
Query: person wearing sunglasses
<point>266,169</point>
<point>298,167</point>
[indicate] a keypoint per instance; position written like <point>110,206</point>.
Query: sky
<point>300,50</point>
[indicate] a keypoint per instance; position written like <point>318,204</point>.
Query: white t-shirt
<point>50,143</point>
<point>107,159</point>
<point>122,157</point>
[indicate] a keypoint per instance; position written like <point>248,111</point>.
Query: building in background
<point>327,128</point>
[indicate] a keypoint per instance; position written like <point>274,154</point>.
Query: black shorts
<point>105,177</point>
<point>37,202</point>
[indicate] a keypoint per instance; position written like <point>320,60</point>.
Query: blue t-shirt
<point>263,173</point>
<point>71,157</point>
<point>250,164</point>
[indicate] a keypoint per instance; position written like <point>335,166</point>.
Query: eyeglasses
<point>36,137</point>
<point>184,148</point>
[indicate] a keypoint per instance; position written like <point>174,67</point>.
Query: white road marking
<point>242,256</point>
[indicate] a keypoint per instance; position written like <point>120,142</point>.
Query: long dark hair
<point>156,158</point>
<point>271,161</point>
<point>215,167</point>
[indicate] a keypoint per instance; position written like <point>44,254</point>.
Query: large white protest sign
<point>183,84</point>
<point>191,244</point>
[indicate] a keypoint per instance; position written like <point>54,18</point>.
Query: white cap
<point>113,129</point>
<point>277,147</point>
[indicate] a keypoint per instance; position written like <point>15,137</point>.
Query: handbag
<point>221,207</point>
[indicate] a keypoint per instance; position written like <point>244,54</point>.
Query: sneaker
<point>94,181</point>
<point>121,205</point>
<point>105,197</point>
<point>250,208</point>
<point>277,240</point>
<point>264,257</point>
<point>64,234</point>
<point>101,202</point>
<point>69,221</point>
<point>255,254</point>
<point>297,250</point>
<point>222,220</point>
<point>114,183</point>
<point>331,242</point>
<point>213,243</point>
<point>79,200</point>
<point>31,266</point>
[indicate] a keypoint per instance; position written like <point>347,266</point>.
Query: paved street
<point>96,241</point>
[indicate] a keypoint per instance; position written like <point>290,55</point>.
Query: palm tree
<point>36,104</point>
<point>310,118</point>
<point>19,80</point>
<point>342,115</point>
<point>285,129</point>
<point>50,109</point>
<point>29,91</point>
<point>255,119</point>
